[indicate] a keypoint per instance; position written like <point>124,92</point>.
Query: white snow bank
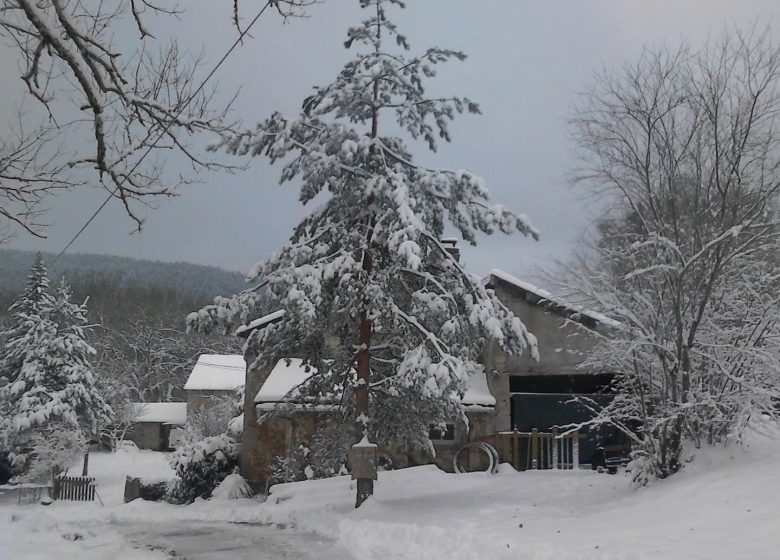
<point>723,506</point>
<point>31,533</point>
<point>217,372</point>
<point>164,412</point>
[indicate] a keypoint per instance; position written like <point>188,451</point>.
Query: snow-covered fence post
<point>85,467</point>
<point>555,442</point>
<point>575,450</point>
<point>362,464</point>
<point>534,449</point>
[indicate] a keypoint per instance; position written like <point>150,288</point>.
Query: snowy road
<point>230,541</point>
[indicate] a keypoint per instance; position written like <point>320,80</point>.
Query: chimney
<point>451,246</point>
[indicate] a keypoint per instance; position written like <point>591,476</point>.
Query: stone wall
<point>258,442</point>
<point>150,435</point>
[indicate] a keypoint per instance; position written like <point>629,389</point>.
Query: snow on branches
<point>685,145</point>
<point>370,255</point>
<point>45,361</point>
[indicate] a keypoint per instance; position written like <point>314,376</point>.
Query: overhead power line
<point>164,131</point>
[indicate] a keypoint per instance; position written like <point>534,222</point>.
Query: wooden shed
<point>153,426</point>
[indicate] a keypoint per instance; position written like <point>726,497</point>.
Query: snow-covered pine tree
<point>368,266</point>
<point>20,341</point>
<point>46,360</point>
<point>69,355</point>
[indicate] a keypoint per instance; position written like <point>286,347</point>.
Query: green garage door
<point>545,411</point>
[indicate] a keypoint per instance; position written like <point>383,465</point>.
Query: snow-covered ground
<point>725,505</point>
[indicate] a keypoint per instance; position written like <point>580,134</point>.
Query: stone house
<point>154,422</point>
<point>296,422</point>
<point>514,393</point>
<point>214,377</point>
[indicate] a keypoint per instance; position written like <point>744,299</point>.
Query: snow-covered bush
<point>213,420</point>
<point>293,467</point>
<point>54,450</point>
<point>325,456</point>
<point>329,446</point>
<point>234,487</point>
<point>200,466</point>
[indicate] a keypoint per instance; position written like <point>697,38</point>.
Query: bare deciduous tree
<point>120,106</point>
<point>27,173</point>
<point>685,146</point>
<point>152,362</point>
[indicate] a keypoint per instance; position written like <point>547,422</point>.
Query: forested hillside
<point>136,311</point>
<point>120,287</point>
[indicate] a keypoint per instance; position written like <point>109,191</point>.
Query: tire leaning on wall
<point>486,448</point>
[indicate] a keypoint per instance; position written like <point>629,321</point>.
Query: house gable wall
<point>562,343</point>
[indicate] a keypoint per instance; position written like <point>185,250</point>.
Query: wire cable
<point>164,131</point>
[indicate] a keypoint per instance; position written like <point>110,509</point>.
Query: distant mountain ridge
<point>114,282</point>
<point>197,280</point>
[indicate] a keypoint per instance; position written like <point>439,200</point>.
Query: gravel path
<point>230,541</point>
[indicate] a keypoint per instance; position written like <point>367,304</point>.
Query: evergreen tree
<point>368,265</point>
<point>46,361</point>
<point>20,342</point>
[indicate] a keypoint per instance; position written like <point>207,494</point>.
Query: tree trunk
<point>365,486</point>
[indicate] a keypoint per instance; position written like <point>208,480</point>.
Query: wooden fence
<point>538,450</point>
<point>76,488</point>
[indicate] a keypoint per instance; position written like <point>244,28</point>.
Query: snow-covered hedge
<point>234,487</point>
<point>200,466</point>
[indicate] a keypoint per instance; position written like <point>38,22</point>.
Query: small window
<point>436,434</point>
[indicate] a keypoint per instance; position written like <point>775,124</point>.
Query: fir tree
<point>46,361</point>
<point>21,341</point>
<point>368,265</point>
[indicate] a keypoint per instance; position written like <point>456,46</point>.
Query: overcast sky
<point>527,62</point>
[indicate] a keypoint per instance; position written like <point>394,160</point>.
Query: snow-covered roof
<point>285,377</point>
<point>544,295</point>
<point>217,372</point>
<point>244,330</point>
<point>282,379</point>
<point>162,412</point>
